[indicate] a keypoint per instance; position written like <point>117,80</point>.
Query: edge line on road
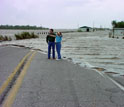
<point>116,83</point>
<point>13,92</point>
<point>11,76</point>
<point>111,79</point>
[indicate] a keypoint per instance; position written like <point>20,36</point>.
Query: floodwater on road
<point>88,49</point>
<point>96,50</point>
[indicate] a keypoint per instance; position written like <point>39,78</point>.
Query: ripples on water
<point>93,49</point>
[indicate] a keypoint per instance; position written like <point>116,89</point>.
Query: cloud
<point>61,13</point>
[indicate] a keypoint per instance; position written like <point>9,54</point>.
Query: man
<point>50,39</point>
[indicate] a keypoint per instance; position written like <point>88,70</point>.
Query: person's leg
<point>53,49</point>
<point>49,50</point>
<point>59,50</point>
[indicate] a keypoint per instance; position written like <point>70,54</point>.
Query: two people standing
<point>54,40</point>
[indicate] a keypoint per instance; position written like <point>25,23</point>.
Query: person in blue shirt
<point>58,44</point>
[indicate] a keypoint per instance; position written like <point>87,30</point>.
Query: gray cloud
<point>61,13</point>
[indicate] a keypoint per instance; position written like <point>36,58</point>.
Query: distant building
<point>85,29</point>
<point>118,32</point>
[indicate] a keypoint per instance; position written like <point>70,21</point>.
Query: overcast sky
<point>61,13</point>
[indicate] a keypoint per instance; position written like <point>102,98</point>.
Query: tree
<point>114,23</point>
<point>21,27</point>
<point>120,24</point>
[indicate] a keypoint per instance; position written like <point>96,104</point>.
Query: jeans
<point>58,49</point>
<point>51,45</point>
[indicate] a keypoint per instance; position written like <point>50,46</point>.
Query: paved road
<point>9,59</point>
<point>51,83</point>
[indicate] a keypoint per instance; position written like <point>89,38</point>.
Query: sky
<point>61,13</point>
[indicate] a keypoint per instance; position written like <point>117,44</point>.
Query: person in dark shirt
<point>50,39</point>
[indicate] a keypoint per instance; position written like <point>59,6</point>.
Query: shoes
<point>52,58</point>
<point>58,59</point>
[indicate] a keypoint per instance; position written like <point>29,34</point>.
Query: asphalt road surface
<point>9,58</point>
<point>52,83</point>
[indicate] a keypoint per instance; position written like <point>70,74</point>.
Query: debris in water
<point>111,72</point>
<point>99,69</point>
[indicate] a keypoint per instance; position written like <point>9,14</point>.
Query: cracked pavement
<point>51,83</point>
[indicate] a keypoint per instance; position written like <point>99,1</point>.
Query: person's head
<point>51,30</point>
<point>59,33</point>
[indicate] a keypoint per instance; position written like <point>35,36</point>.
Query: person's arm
<point>61,37</point>
<point>52,35</point>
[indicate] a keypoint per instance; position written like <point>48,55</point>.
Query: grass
<point>5,38</point>
<point>25,35</point>
<point>79,30</point>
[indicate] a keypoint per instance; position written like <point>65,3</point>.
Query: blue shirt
<point>58,38</point>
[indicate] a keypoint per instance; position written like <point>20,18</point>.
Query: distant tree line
<point>116,24</point>
<point>27,27</point>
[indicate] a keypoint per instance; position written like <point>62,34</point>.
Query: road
<point>52,83</point>
<point>9,58</point>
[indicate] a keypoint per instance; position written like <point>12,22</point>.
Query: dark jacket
<point>49,38</point>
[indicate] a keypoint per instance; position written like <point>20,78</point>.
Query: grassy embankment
<point>5,38</point>
<point>25,35</point>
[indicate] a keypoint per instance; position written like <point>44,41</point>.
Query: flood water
<point>96,50</point>
<point>93,49</point>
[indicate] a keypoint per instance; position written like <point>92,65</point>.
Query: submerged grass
<point>5,38</point>
<point>25,35</point>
